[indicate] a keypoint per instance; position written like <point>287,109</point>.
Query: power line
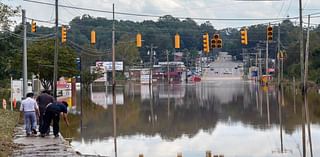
<point>158,16</point>
<point>38,20</point>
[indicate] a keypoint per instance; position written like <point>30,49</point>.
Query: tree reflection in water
<point>220,113</point>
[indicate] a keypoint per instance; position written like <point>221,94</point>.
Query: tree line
<point>159,33</point>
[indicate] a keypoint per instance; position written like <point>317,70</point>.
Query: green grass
<point>8,121</point>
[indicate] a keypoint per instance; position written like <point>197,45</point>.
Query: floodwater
<point>229,118</point>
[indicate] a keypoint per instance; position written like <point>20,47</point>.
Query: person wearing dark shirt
<point>43,100</point>
<point>52,113</point>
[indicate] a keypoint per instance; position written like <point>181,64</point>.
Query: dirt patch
<point>8,121</point>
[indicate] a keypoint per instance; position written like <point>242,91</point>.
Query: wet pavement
<point>38,146</point>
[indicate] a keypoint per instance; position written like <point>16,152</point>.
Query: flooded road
<point>229,118</point>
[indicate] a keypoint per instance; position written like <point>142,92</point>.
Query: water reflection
<point>230,118</point>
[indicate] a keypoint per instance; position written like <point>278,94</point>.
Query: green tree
<point>6,12</point>
<point>87,78</point>
<point>40,61</point>
<point>127,51</point>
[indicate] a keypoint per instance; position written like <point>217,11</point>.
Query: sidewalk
<point>39,146</point>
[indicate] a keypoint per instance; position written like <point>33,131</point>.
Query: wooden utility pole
<point>114,84</point>
<point>168,68</point>
<point>24,68</point>
<point>305,85</point>
<point>301,46</point>
<point>55,64</point>
<point>278,57</point>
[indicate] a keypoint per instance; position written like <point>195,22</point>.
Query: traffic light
<point>213,43</point>
<point>219,43</point>
<point>33,26</point>
<point>244,36</point>
<point>216,36</point>
<point>177,41</point>
<point>63,34</point>
<point>269,33</point>
<point>138,40</point>
<point>93,37</point>
<point>216,42</point>
<point>206,43</point>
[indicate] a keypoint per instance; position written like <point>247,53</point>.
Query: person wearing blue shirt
<point>52,113</point>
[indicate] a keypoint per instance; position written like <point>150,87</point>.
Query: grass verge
<point>8,121</point>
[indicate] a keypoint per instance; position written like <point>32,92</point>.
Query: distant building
<point>178,56</point>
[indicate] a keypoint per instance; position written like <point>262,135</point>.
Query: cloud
<point>228,139</point>
<point>180,8</point>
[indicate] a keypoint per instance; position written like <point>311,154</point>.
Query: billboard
<point>108,66</point>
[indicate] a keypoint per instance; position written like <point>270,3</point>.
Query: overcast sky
<point>179,8</point>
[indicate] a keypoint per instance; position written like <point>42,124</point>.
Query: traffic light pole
<point>24,69</point>
<point>278,58</point>
<point>55,66</point>
<point>267,57</point>
<point>260,66</point>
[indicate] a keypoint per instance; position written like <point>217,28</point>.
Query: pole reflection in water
<point>281,104</point>
<point>303,129</point>
<point>114,113</point>
<point>306,105</point>
<point>268,105</point>
<point>257,96</point>
<point>294,96</point>
<point>151,117</point>
<point>260,99</point>
<point>168,99</point>
<point>215,119</point>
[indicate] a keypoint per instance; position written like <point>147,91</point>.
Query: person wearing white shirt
<point>30,109</point>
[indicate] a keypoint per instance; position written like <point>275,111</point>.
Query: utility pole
<point>257,66</point>
<point>267,57</point>
<point>305,77</point>
<point>168,68</point>
<point>24,68</point>
<point>151,65</point>
<point>187,64</point>
<point>114,84</point>
<point>305,85</point>
<point>302,75</point>
<point>55,64</point>
<point>113,51</point>
<point>301,45</point>
<point>278,57</point>
<point>260,66</point>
